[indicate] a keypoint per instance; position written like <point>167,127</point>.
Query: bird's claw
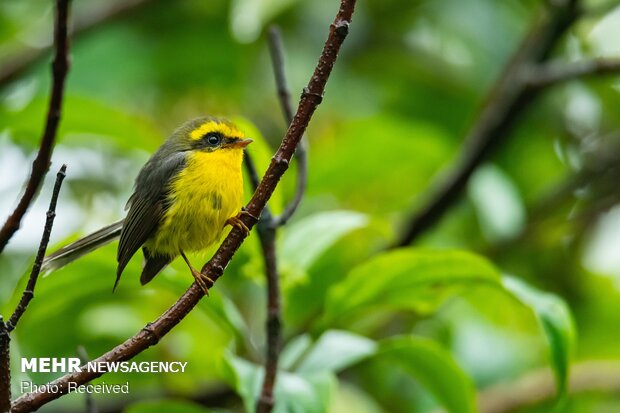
<point>202,280</point>
<point>238,223</point>
<point>245,212</point>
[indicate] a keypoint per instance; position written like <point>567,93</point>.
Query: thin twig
<point>153,332</point>
<point>40,166</point>
<point>267,227</point>
<point>267,235</point>
<point>602,167</point>
<point>276,50</point>
<point>91,407</point>
<point>250,167</point>
<point>36,268</point>
<point>267,230</point>
<point>5,368</point>
<point>600,10</point>
<point>6,328</point>
<point>539,386</point>
<point>504,105</point>
<point>268,244</point>
<point>15,65</point>
<point>549,74</point>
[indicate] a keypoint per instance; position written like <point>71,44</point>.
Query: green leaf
<point>557,322</point>
<point>305,240</point>
<point>303,393</point>
<point>294,350</point>
<point>350,166</point>
<point>414,279</point>
<point>434,368</point>
<point>169,406</point>
<point>248,17</point>
<point>336,350</point>
<point>296,393</point>
<point>245,377</point>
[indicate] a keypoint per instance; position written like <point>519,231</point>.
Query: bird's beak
<point>242,143</point>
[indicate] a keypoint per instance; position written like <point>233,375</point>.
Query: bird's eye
<point>213,139</point>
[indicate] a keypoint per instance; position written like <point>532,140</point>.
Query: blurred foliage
<point>438,322</point>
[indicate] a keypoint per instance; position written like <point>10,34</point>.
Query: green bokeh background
<point>408,83</point>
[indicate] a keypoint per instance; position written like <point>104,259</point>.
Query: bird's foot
<point>201,280</point>
<point>238,223</point>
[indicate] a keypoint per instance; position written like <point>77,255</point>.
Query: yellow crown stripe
<point>212,126</point>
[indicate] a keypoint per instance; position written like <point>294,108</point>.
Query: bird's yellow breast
<point>204,194</point>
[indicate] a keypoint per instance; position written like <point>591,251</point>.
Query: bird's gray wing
<point>147,205</point>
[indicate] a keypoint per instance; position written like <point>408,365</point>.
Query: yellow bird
<point>184,196</point>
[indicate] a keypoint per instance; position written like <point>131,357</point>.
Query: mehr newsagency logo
<point>74,365</point>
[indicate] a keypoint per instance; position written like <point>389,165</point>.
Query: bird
<point>183,198</point>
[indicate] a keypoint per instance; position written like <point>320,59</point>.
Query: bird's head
<point>209,135</point>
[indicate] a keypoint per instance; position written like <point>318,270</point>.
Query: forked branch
<point>27,296</point>
<point>267,228</point>
<point>153,332</point>
<point>276,49</point>
<point>507,101</point>
<point>28,293</point>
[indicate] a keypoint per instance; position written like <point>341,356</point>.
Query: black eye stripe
<point>214,140</point>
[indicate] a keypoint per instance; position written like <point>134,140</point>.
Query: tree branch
<point>600,10</point>
<point>267,235</point>
<point>6,328</point>
<point>14,66</point>
<point>40,166</point>
<point>539,386</point>
<point>5,368</point>
<point>546,75</point>
<point>599,174</point>
<point>89,401</point>
<point>153,332</point>
<point>276,50</point>
<point>507,101</point>
<point>36,268</point>
<point>267,227</point>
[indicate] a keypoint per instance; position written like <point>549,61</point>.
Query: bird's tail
<point>83,246</point>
